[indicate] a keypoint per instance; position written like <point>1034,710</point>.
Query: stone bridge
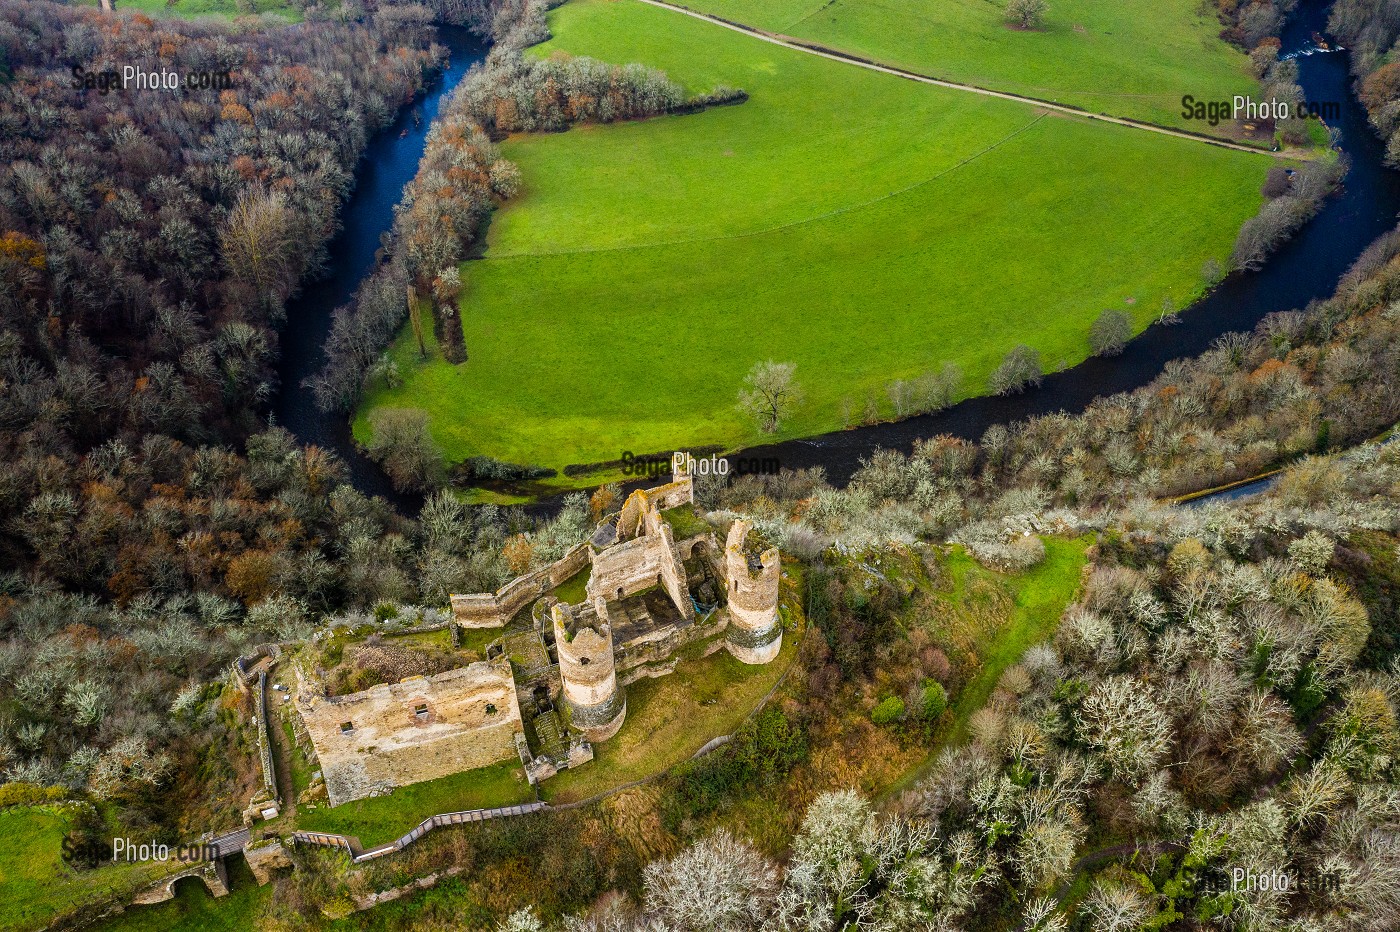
<point>211,872</point>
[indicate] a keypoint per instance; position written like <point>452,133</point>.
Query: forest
<point>150,244</point>
<point>1221,693</point>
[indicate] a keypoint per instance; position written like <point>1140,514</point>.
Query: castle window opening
<point>490,708</point>
<point>584,661</point>
<point>346,728</point>
<point>421,711</point>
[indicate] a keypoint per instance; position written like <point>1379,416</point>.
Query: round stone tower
<point>596,704</point>
<point>755,634</point>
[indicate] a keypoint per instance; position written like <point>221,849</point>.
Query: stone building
<point>588,671</point>
<point>422,728</point>
<point>556,681</point>
<point>755,632</point>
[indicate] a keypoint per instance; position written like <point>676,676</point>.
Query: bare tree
<point>770,394</point>
<point>720,883</point>
<point>1028,14</point>
<point>403,446</point>
<point>259,242</point>
<point>1020,369</point>
<point>1110,333</point>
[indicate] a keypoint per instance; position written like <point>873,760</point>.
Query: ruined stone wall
<point>624,569</point>
<point>658,648</point>
<point>391,743</point>
<point>630,567</point>
<point>673,494</point>
<point>588,671</point>
<point>755,634</point>
<point>495,609</point>
<point>642,501</point>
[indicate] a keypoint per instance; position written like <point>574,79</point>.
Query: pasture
<point>1131,59</point>
<point>862,226</point>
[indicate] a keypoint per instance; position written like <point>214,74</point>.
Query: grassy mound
<point>859,225</point>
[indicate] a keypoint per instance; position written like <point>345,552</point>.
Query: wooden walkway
<point>351,845</point>
<point>231,842</point>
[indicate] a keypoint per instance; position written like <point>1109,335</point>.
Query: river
<point>390,161</point>
<point>1305,269</point>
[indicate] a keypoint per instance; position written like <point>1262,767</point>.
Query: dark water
<point>1305,269</point>
<point>390,161</point>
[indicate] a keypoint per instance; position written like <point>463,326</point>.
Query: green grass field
<point>1132,59</point>
<point>381,819</point>
<point>36,884</point>
<point>859,225</point>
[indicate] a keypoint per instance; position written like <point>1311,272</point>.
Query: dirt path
<point>281,762</point>
<point>822,52</point>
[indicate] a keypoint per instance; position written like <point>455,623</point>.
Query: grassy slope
<point>383,818</point>
<point>35,883</point>
<point>1041,596</point>
<point>670,718</point>
<point>1133,59</point>
<point>194,910</point>
<point>861,245</point>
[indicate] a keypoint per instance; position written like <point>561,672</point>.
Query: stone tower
<point>755,634</point>
<point>595,702</point>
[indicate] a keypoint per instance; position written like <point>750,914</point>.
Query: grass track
<point>853,223</point>
<point>1131,58</point>
<point>1040,597</point>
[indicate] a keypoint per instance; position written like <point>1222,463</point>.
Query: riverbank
<point>389,163</point>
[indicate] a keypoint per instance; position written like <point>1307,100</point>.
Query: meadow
<point>1133,59</point>
<point>861,226</point>
<point>38,885</point>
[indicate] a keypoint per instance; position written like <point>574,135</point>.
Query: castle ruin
<point>554,683</point>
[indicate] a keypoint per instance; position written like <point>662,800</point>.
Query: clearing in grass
<point>864,227</point>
